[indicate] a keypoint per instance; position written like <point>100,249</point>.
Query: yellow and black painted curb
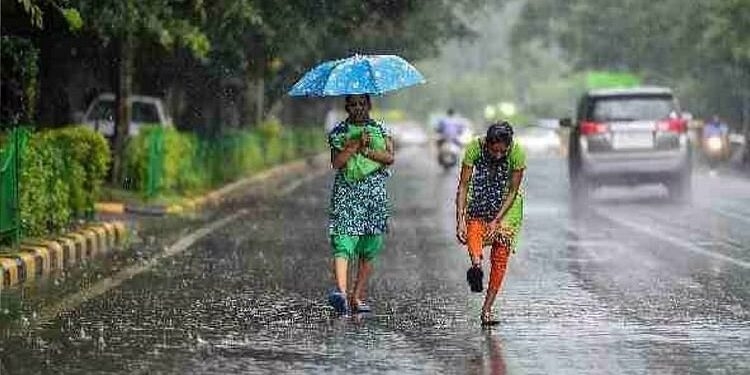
<point>213,198</point>
<point>40,257</point>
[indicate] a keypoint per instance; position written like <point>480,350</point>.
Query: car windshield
<point>145,113</point>
<point>104,111</point>
<point>631,108</point>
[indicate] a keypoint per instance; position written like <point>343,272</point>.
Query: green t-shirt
<point>516,156</point>
<point>513,219</point>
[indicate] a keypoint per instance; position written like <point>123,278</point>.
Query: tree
<point>19,80</point>
<point>20,56</point>
<point>275,42</point>
<point>699,47</point>
<point>125,24</point>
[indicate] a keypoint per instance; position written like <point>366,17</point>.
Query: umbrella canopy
<point>376,74</point>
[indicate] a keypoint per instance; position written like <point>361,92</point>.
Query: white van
<point>144,110</point>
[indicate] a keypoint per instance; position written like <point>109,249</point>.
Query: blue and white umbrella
<point>375,74</point>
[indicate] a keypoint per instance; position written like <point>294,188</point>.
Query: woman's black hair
<point>500,132</point>
<point>349,96</point>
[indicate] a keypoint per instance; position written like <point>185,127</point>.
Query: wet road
<point>630,284</point>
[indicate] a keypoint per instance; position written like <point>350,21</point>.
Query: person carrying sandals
<point>489,207</point>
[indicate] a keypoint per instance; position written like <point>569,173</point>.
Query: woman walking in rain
<point>361,151</point>
<point>489,207</point>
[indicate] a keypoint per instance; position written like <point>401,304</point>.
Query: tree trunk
<point>255,71</point>
<point>123,84</point>
<point>255,104</point>
<point>260,94</point>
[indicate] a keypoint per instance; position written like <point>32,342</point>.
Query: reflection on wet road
<point>630,283</point>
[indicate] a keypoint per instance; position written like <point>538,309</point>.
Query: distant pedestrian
<point>489,207</point>
<point>361,151</point>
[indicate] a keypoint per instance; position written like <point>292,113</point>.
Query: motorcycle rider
<point>450,127</point>
<point>715,139</point>
<point>715,127</point>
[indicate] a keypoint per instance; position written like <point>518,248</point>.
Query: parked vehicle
<point>539,141</point>
<point>629,137</point>
<point>144,110</point>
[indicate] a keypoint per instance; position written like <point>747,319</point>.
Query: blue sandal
<point>362,307</point>
<point>338,300</point>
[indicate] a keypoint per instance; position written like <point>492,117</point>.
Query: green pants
<point>366,247</point>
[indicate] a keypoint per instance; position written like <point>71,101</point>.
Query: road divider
<point>37,258</point>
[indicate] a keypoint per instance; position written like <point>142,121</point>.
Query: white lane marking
<point>178,247</point>
<point>111,282</point>
<point>680,243</point>
<point>732,215</point>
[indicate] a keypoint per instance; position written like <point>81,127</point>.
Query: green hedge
<point>176,174</point>
<point>189,164</point>
<point>62,172</point>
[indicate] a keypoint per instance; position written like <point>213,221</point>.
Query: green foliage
<point>19,73</point>
<point>192,165</point>
<point>271,128</point>
<point>274,150</point>
<point>32,8</point>
<point>75,22</point>
<point>61,177</point>
<point>279,40</point>
<point>86,161</point>
<point>701,48</point>
<point>178,149</point>
<point>726,33</point>
<point>41,205</point>
<point>169,23</point>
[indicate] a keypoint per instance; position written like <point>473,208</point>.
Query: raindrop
<point>200,341</point>
<point>101,344</point>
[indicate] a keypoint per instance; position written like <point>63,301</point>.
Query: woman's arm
<point>385,157</point>
<point>340,158</point>
<point>515,185</point>
<point>462,193</point>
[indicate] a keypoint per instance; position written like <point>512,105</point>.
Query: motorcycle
<point>715,150</point>
<point>450,149</point>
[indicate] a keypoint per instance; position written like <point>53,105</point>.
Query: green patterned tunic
<point>361,207</point>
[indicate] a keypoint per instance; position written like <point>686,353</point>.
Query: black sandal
<point>474,277</point>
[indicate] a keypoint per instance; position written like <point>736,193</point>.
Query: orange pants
<point>475,232</point>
